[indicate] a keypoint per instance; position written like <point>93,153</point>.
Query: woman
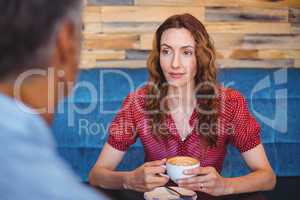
<point>184,111</point>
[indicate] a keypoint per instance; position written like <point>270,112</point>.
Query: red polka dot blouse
<point>236,126</point>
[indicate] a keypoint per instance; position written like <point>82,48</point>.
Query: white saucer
<point>162,193</point>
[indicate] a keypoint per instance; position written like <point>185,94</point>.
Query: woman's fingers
<point>195,180</point>
<point>155,163</point>
<point>152,175</point>
<point>152,182</point>
<point>203,183</point>
<point>199,171</point>
<point>156,179</point>
<point>207,184</point>
<point>154,170</point>
<point>198,188</point>
<point>206,187</point>
<point>211,183</point>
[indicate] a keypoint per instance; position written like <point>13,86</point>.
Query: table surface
<point>132,195</point>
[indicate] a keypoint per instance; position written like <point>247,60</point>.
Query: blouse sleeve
<point>246,130</point>
<point>122,132</point>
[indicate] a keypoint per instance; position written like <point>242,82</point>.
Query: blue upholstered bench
<point>81,122</point>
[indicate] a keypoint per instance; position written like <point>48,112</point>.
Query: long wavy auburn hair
<point>205,80</point>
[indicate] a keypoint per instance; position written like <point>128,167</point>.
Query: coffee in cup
<point>176,165</point>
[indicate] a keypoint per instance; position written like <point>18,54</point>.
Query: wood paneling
<point>294,15</point>
<point>212,27</point>
<point>146,14</point>
<point>110,2</point>
<point>294,3</point>
<point>117,64</point>
<point>103,55</point>
<point>170,2</point>
<point>296,29</point>
<point>289,41</point>
<point>297,63</point>
<point>221,14</point>
<point>103,41</point>
<point>248,27</point>
<point>227,41</point>
<point>92,27</point>
<point>294,19</point>
<point>129,27</point>
<point>146,41</point>
<point>230,63</point>
<point>219,3</point>
<point>92,19</point>
<point>92,14</point>
<point>245,33</point>
<point>258,54</point>
<point>137,54</point>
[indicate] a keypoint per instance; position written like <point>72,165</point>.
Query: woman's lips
<point>176,75</point>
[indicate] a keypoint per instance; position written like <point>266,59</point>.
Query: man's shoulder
<point>18,120</point>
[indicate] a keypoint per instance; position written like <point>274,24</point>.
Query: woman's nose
<point>176,61</point>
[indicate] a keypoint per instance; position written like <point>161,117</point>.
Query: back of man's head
<point>27,31</point>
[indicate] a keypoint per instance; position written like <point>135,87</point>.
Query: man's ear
<point>67,50</point>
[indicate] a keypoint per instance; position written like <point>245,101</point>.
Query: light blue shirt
<point>30,167</point>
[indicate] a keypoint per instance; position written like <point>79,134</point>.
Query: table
<point>132,195</point>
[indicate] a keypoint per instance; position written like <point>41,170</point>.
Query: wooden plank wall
<point>246,33</point>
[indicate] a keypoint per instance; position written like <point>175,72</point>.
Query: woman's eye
<point>165,51</point>
<point>188,52</point>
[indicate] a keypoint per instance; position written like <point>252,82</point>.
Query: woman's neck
<point>183,97</point>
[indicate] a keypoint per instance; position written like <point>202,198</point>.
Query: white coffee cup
<point>177,165</point>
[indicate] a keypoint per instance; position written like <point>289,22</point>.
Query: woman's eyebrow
<point>187,46</point>
<point>183,47</point>
<point>164,44</point>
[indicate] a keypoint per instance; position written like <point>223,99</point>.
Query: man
<point>39,54</point>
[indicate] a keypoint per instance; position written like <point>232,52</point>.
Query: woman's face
<point>177,56</point>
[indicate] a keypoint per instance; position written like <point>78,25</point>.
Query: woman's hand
<point>207,180</point>
<point>146,177</point>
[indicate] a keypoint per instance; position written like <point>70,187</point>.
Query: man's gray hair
<point>28,29</point>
